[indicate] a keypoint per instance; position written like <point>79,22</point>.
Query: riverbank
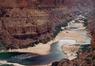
<point>74,35</point>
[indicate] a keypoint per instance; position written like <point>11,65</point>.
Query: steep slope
<point>27,22</point>
<point>22,27</point>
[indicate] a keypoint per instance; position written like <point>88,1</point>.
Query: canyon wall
<point>24,23</point>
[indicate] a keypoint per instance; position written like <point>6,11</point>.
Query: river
<point>56,52</point>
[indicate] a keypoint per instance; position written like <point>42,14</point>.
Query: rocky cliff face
<point>27,22</point>
<point>23,23</point>
<point>30,3</point>
<point>23,27</point>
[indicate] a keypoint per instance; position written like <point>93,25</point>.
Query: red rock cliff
<point>24,22</point>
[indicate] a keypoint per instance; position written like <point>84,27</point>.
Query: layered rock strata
<point>24,27</point>
<point>25,23</point>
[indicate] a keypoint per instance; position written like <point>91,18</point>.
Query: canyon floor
<point>63,34</point>
<point>81,37</point>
